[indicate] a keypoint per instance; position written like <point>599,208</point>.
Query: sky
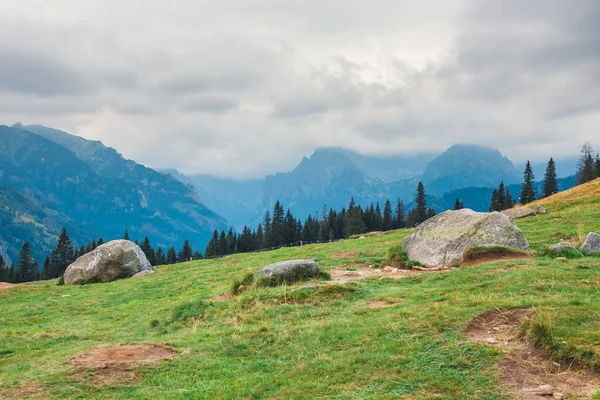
<point>243,88</point>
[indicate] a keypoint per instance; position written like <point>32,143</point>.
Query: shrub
<point>61,280</point>
<point>397,258</point>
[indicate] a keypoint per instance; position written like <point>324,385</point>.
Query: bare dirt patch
<point>380,304</point>
<point>25,391</point>
<point>365,271</point>
<point>4,285</point>
<point>493,257</point>
<point>109,364</point>
<point>524,369</point>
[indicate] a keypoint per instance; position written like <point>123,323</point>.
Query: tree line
<point>279,228</point>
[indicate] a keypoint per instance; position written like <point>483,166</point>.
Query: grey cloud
<point>209,105</point>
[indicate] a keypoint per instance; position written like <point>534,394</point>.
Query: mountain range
<point>50,179</point>
<point>332,176</point>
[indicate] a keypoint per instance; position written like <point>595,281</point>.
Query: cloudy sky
<point>241,88</point>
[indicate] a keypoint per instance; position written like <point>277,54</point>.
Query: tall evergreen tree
<point>148,250</point>
<point>527,189</point>
<point>494,204</point>
<point>222,249</point>
<point>388,223</point>
<point>550,182</point>
<point>171,255</point>
<point>585,164</point>
<point>458,204</point>
<point>12,274</point>
<point>186,252</point>
<point>3,270</point>
<point>597,165</point>
<point>160,256</point>
<point>355,223</point>
<point>420,211</point>
<point>26,267</point>
<point>61,257</point>
<point>46,269</point>
<point>126,235</point>
<point>400,220</point>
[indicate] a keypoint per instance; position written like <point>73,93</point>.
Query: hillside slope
<point>383,338</point>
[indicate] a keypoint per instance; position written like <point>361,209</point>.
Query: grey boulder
<point>441,240</point>
<point>113,260</point>
<point>591,244</point>
<point>541,210</point>
<point>288,271</point>
<point>562,247</point>
<point>519,212</point>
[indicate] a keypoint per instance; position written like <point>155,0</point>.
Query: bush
<point>398,258</point>
<point>61,280</point>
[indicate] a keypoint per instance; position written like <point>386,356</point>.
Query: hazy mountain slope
<point>104,197</point>
<point>468,166</point>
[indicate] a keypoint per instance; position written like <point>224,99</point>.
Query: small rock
<point>558,396</point>
<point>491,341</point>
<point>591,244</point>
<point>395,270</point>
<point>562,247</point>
<point>388,269</point>
<point>143,273</point>
<point>555,364</point>
<point>362,237</point>
<point>519,212</point>
<point>541,210</point>
<point>543,390</point>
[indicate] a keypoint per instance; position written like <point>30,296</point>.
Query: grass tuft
<point>246,281</point>
<point>185,312</point>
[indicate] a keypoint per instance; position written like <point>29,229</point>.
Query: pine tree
<point>585,164</point>
<point>550,183</point>
<point>126,235</point>
<point>458,204</point>
<point>527,190</point>
<point>277,225</point>
<point>420,211</point>
<point>81,251</point>
<point>197,255</point>
<point>494,202</point>
<point>400,220</point>
<point>268,240</point>
<point>26,267</point>
<point>148,250</point>
<point>388,223</point>
<point>222,248</point>
<point>160,256</point>
<point>3,270</point>
<point>171,255</point>
<point>597,165</point>
<point>61,257</point>
<point>100,242</point>
<point>12,274</point>
<point>46,269</point>
<point>356,224</point>
<point>186,252</point>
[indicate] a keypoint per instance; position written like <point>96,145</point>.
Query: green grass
<point>273,343</point>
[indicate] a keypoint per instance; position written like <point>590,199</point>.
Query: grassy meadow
<point>274,343</point>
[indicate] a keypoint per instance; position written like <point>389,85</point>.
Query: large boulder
<point>441,240</point>
<point>519,212</point>
<point>288,272</point>
<point>113,260</point>
<point>591,244</point>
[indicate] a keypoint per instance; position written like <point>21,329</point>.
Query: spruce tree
<point>356,225</point>
<point>12,274</point>
<point>400,220</point>
<point>585,167</point>
<point>186,252</point>
<point>494,202</point>
<point>171,255</point>
<point>3,270</point>
<point>148,250</point>
<point>527,190</point>
<point>377,218</point>
<point>597,165</point>
<point>100,242</point>
<point>550,182</point>
<point>458,204</point>
<point>126,235</point>
<point>388,223</point>
<point>26,267</point>
<point>61,257</point>
<point>46,269</point>
<point>420,212</point>
<point>160,256</point>
<point>197,255</point>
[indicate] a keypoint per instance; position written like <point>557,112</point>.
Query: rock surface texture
<point>112,260</point>
<point>563,247</point>
<point>521,212</point>
<point>288,271</point>
<point>591,245</point>
<point>541,210</point>
<point>441,241</point>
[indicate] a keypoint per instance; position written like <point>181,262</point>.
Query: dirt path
<point>4,285</point>
<point>106,365</point>
<point>364,271</point>
<point>526,372</point>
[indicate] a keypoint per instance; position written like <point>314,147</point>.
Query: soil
<point>26,391</point>
<point>221,298</point>
<point>492,257</point>
<point>109,364</point>
<point>4,285</point>
<point>380,304</point>
<point>524,368</point>
<point>365,271</point>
